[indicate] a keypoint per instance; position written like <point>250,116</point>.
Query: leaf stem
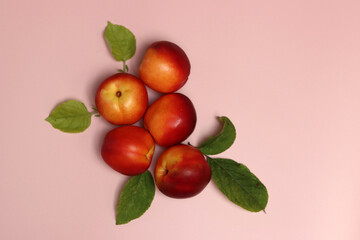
<point>95,112</point>
<point>125,68</point>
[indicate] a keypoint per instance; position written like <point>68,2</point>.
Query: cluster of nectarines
<point>181,171</point>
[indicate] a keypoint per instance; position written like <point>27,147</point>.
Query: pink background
<point>287,73</point>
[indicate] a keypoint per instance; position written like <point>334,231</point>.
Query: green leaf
<point>135,198</point>
<point>220,142</point>
<point>238,184</point>
<point>70,116</point>
<point>121,42</point>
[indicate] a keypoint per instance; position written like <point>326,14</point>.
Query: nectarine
<point>121,99</point>
<point>170,119</point>
<point>165,67</point>
<point>128,150</point>
<point>181,171</point>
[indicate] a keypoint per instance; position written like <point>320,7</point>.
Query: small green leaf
<point>238,184</point>
<point>220,142</point>
<point>121,42</point>
<point>70,116</point>
<point>135,198</point>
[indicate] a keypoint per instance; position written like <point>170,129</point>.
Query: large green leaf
<point>222,141</point>
<point>135,198</point>
<point>121,42</point>
<point>238,184</point>
<point>70,116</point>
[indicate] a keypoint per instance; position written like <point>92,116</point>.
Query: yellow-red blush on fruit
<point>170,119</point>
<point>165,67</point>
<point>121,99</point>
<point>128,150</point>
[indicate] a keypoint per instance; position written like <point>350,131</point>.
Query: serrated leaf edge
<point>213,160</point>
<point>147,207</point>
<point>49,119</point>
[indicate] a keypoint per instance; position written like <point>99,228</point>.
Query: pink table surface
<point>287,73</point>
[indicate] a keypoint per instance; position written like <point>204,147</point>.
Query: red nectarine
<point>165,67</point>
<point>121,99</point>
<point>128,150</point>
<point>181,171</point>
<point>170,119</point>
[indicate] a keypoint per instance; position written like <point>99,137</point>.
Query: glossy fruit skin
<point>170,119</point>
<point>181,171</point>
<point>121,99</point>
<point>165,67</point>
<point>128,150</point>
